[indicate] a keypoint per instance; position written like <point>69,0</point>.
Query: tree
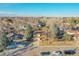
<point>3,41</point>
<point>28,34</point>
<point>67,36</point>
<point>57,33</point>
<point>73,21</point>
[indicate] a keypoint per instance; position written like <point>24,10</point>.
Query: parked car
<point>12,46</point>
<point>57,53</point>
<point>46,53</point>
<point>40,24</point>
<point>20,36</point>
<point>69,52</point>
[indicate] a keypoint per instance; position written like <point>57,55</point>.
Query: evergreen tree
<point>28,34</point>
<point>57,33</point>
<point>3,40</point>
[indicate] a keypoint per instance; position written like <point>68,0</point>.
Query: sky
<point>39,9</point>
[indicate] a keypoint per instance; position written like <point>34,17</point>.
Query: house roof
<point>73,32</point>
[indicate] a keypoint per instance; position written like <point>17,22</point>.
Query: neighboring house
<point>74,33</point>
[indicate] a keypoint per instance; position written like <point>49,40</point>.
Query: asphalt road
<point>35,51</point>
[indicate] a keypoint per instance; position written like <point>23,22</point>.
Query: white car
<point>56,53</point>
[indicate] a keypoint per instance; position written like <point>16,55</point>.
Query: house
<point>74,33</point>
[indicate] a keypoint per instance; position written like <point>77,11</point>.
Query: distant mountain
<point>3,15</point>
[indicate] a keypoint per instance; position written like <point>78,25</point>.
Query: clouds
<point>5,13</point>
<point>7,4</point>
